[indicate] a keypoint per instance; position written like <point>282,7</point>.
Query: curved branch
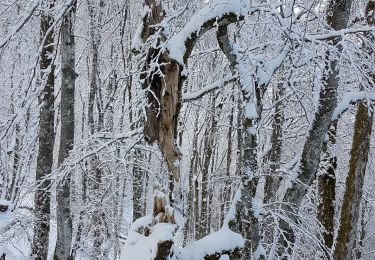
<point>203,91</point>
<point>218,13</point>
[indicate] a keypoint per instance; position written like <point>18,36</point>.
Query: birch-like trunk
<point>46,137</point>
<point>68,75</point>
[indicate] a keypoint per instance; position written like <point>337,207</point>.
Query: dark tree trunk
<point>354,184</point>
<point>327,188</point>
<point>274,156</point>
<point>46,138</point>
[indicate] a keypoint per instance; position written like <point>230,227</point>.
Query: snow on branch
<point>19,26</point>
<point>207,89</point>
<point>218,13</point>
<point>351,98</point>
<point>339,33</point>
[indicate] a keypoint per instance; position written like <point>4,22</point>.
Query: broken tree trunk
<point>162,74</point>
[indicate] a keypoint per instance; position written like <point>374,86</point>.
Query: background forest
<point>187,129</point>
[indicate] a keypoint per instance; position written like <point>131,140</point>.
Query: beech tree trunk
<point>68,75</point>
<point>46,137</point>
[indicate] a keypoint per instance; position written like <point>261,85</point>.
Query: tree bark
<point>354,184</point>
<point>248,222</point>
<point>208,145</point>
<point>68,75</point>
<point>338,16</point>
<point>357,168</point>
<point>190,210</point>
<point>327,188</point>
<point>274,156</point>
<point>46,137</point>
<point>138,178</point>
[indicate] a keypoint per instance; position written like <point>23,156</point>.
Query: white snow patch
<point>222,240</point>
<point>140,247</point>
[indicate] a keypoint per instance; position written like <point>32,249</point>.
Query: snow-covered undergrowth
<point>151,235</point>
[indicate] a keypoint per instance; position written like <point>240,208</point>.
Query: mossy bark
<point>354,184</point>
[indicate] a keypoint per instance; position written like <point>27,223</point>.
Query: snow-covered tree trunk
<point>226,191</point>
<point>274,155</point>
<point>338,17</point>
<point>247,221</point>
<point>68,75</point>
<point>138,180</point>
<point>327,187</point>
<point>11,192</point>
<point>346,237</point>
<point>163,87</point>
<point>95,10</point>
<point>46,135</point>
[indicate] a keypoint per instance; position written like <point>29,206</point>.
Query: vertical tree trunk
<point>338,17</point>
<point>46,137</point>
<point>226,191</point>
<point>96,13</point>
<point>190,210</point>
<point>208,145</point>
<point>11,193</point>
<point>68,75</point>
<point>138,178</point>
<point>357,167</point>
<point>274,156</point>
<point>354,184</point>
<point>327,187</point>
<point>248,222</point>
